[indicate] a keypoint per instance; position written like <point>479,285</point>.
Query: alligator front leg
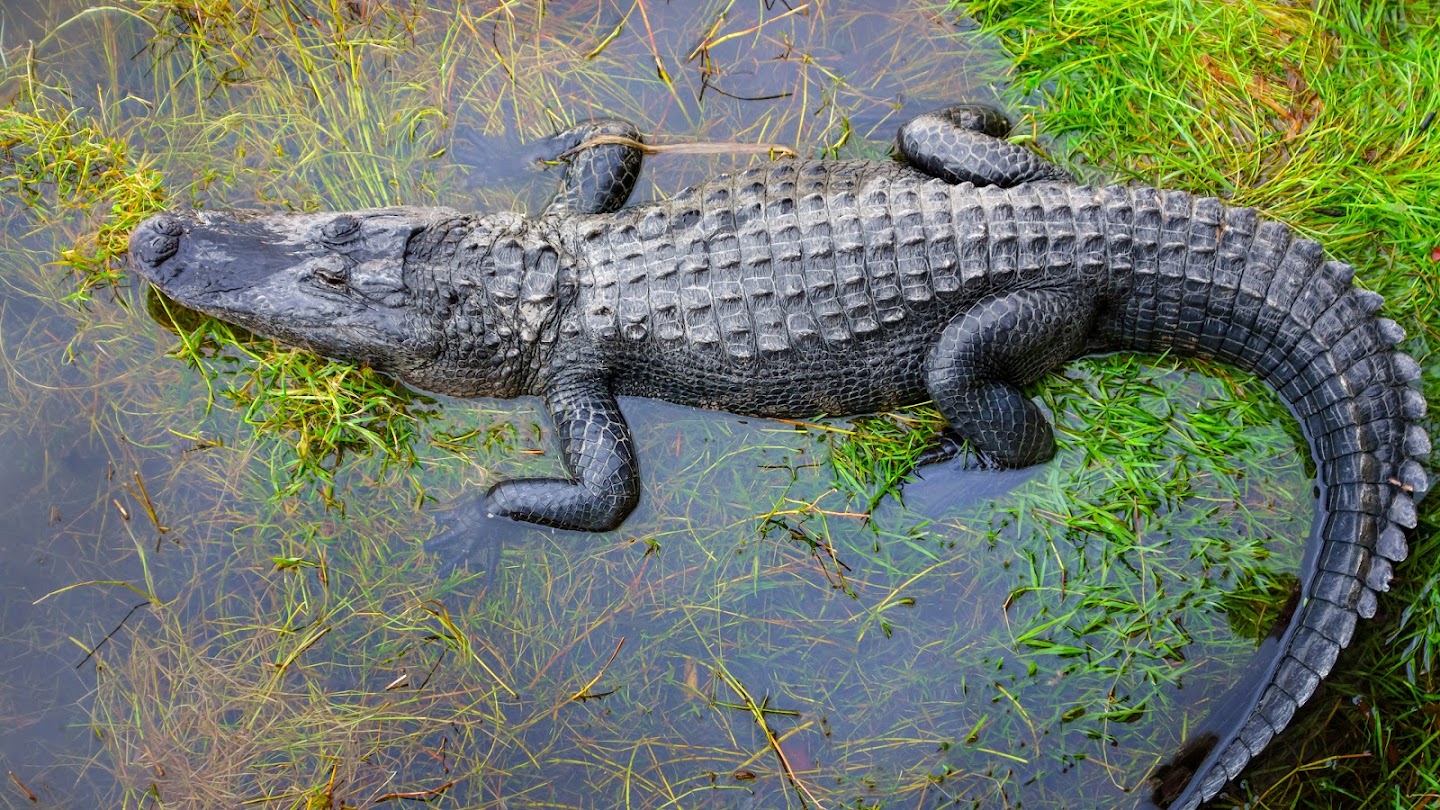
<point>975,370</point>
<point>604,487</point>
<point>966,143</point>
<point>597,178</point>
<point>599,455</point>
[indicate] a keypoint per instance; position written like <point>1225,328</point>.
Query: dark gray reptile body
<point>805,287</point>
<point>790,289</point>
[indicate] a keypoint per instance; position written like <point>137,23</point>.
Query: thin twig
<point>149,505</point>
<point>758,712</point>
<point>416,795</point>
<point>584,691</point>
<point>97,647</point>
<point>694,148</point>
<point>31,796</point>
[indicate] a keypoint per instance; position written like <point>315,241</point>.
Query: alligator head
<point>381,286</point>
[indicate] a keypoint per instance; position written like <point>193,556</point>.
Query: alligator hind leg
<point>975,370</point>
<point>966,143</point>
<point>597,178</point>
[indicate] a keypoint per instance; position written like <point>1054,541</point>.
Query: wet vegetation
<point>1324,118</point>
<point>228,531</point>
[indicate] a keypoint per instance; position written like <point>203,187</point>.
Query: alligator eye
<point>331,276</point>
<point>341,228</point>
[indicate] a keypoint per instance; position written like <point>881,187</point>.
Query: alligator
<point>958,273</point>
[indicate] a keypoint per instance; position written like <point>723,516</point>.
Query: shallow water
<point>997,640</point>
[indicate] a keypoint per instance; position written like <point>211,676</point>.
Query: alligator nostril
<point>156,240</point>
<point>166,224</point>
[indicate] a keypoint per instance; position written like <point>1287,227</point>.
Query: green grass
<point>1319,118</point>
<point>57,164</point>
<point>771,627</point>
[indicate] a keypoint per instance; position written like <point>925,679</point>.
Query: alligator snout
<point>155,240</point>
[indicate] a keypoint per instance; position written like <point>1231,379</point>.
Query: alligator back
<point>808,287</point>
<point>805,287</point>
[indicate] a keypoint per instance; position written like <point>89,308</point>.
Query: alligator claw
<point>469,540</point>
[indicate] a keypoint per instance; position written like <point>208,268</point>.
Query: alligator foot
<point>966,144</point>
<point>602,164</point>
<point>949,445</point>
<point>470,540</point>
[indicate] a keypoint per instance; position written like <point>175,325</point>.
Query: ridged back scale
<point>806,287</point>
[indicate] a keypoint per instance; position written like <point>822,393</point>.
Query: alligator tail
<point>1195,276</point>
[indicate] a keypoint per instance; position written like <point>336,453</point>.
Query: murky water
<point>746,640</point>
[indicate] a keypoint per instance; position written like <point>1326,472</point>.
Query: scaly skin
<point>805,287</point>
